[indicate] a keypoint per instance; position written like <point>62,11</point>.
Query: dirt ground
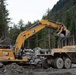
<point>14,69</point>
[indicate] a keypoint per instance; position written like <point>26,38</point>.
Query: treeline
<point>63,11</point>
<point>3,19</point>
<point>37,40</point>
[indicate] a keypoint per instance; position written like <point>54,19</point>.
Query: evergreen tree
<point>3,18</point>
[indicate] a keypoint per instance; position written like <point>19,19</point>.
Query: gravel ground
<point>14,69</point>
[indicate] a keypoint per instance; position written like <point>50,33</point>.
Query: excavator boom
<point>61,32</point>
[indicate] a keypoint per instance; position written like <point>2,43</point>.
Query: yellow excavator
<point>15,54</point>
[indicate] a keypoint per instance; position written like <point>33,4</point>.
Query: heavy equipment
<point>59,57</point>
<point>16,53</point>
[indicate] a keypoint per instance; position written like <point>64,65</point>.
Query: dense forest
<point>63,11</point>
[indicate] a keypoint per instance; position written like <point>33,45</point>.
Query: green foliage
<point>3,18</point>
<point>65,12</point>
<point>15,30</point>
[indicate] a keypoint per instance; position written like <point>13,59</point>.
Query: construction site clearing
<point>14,59</point>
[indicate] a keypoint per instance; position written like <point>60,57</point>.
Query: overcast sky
<point>28,10</point>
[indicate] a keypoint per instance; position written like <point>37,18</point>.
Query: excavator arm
<point>61,31</point>
<point>28,33</point>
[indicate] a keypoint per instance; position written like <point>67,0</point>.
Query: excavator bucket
<point>62,33</point>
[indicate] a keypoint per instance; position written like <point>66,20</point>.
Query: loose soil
<point>15,69</point>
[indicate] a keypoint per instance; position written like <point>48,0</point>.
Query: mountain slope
<point>63,5</point>
<point>64,11</point>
